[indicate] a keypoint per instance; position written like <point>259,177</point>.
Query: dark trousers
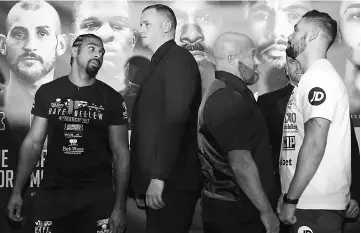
<point>318,221</point>
<point>176,216</point>
<point>73,211</point>
<point>221,216</point>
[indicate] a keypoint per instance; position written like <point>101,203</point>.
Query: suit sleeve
<point>180,84</point>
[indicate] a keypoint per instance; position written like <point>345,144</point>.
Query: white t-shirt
<point>320,93</point>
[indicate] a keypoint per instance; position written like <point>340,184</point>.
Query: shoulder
<point>225,101</point>
<point>108,90</point>
<point>181,56</point>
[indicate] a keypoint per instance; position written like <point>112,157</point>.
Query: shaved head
<point>43,8</point>
<point>231,43</point>
<point>235,53</point>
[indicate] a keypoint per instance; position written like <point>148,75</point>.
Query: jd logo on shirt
<point>316,96</point>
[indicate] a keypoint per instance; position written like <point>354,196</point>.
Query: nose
<point>191,33</point>
<point>31,43</point>
<point>278,26</point>
<point>106,33</point>
<point>256,61</point>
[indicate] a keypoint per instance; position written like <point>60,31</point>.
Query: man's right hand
<point>14,207</point>
<point>270,222</point>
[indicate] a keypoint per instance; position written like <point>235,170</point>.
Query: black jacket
<point>164,125</point>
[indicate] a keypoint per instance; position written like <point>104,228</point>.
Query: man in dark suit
<point>164,164</point>
<point>273,106</point>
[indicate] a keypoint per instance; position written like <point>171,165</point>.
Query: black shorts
<point>73,211</point>
<point>318,221</point>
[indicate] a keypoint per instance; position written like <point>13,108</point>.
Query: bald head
<point>235,53</point>
<point>231,43</point>
<point>23,8</point>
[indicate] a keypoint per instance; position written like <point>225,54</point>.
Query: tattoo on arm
<point>315,121</point>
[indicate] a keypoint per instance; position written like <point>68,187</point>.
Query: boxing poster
<point>36,38</point>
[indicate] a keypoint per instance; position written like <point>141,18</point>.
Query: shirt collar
<point>232,80</point>
<point>163,49</point>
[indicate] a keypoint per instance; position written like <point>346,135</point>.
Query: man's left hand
<point>287,214</point>
<point>154,194</point>
<point>117,222</point>
<point>353,209</point>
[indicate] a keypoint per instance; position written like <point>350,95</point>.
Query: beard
<point>32,73</point>
<point>249,75</point>
<point>91,69</point>
<point>293,51</point>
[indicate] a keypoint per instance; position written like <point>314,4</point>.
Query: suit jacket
<point>273,106</point>
<point>164,127</point>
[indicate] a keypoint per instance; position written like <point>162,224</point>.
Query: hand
<point>154,194</point>
<point>270,222</point>
<point>287,214</point>
<point>353,209</point>
<point>117,222</point>
<point>14,207</point>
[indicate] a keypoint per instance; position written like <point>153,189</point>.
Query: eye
<point>19,34</point>
<point>91,26</point>
<point>205,18</point>
<point>260,16</point>
<point>43,33</point>
<point>294,16</point>
<point>355,16</point>
<point>117,27</point>
<point>91,48</point>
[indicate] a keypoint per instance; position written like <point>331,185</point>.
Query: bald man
<point>233,145</point>
<point>31,45</point>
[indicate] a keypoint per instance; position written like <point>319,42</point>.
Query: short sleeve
<point>118,114</point>
<point>40,107</point>
<point>229,120</point>
<point>320,97</point>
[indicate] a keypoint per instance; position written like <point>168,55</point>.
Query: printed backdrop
<point>36,37</point>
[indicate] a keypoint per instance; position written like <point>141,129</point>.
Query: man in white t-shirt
<point>315,158</point>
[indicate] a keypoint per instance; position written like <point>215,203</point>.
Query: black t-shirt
<point>79,155</point>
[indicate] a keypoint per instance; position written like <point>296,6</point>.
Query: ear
<point>339,35</point>
<point>74,52</point>
<point>61,44</point>
<point>134,39</point>
<point>167,26</point>
<point>314,34</point>
<point>230,59</point>
<point>2,44</point>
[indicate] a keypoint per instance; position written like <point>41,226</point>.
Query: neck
<point>79,77</point>
<point>352,74</point>
<point>156,46</point>
<point>29,87</point>
<point>307,60</point>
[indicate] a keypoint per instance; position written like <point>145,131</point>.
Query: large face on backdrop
<point>31,41</point>
<point>110,21</point>
<point>270,23</point>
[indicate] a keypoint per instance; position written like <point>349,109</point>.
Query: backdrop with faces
<point>35,42</point>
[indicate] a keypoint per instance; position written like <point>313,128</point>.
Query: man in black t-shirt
<point>85,121</point>
<point>233,144</point>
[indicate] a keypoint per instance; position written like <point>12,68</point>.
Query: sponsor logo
<point>73,127</point>
<point>304,229</point>
<point>73,142</point>
<point>290,117</point>
<point>289,143</point>
<point>285,162</point>
<point>43,226</point>
<point>316,96</point>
